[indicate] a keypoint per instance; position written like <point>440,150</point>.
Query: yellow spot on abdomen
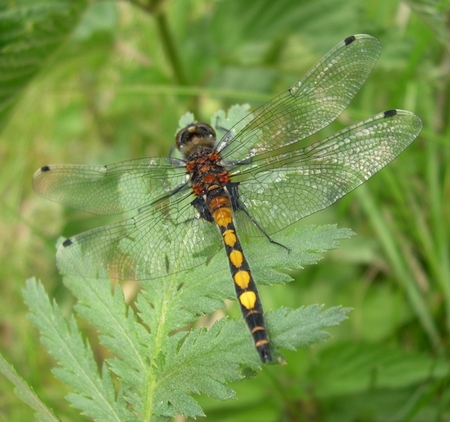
<point>223,217</point>
<point>236,258</point>
<point>248,300</point>
<point>229,236</point>
<point>242,279</point>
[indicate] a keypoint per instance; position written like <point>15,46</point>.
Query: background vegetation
<point>98,82</point>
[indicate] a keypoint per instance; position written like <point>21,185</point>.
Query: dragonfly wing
<point>161,239</point>
<point>290,186</point>
<point>311,104</point>
<point>110,189</point>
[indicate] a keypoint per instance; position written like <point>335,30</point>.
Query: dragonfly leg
<point>173,160</point>
<point>200,205</point>
<point>238,205</point>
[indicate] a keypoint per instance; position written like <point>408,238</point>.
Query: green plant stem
<point>169,48</point>
<point>156,8</point>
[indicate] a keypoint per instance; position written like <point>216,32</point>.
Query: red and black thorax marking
<point>216,199</point>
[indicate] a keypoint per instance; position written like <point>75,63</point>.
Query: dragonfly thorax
<point>194,137</point>
<point>206,170</point>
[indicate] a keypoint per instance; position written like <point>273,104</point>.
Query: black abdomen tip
<point>264,353</point>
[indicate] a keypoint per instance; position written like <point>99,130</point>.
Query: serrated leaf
<point>159,370</point>
<point>302,327</point>
<point>227,122</point>
<point>94,395</point>
<point>306,244</point>
<point>119,331</point>
<point>185,120</point>
<point>26,393</point>
<point>201,362</point>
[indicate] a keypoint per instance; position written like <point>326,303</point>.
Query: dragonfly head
<point>194,136</point>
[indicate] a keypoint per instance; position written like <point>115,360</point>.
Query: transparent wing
<point>281,189</point>
<point>311,104</point>
<point>161,239</point>
<point>99,189</point>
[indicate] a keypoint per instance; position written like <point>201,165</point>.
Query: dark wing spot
<point>349,40</point>
<point>45,168</point>
<point>67,242</point>
<point>390,113</point>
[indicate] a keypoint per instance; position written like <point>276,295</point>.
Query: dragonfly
<point>257,179</point>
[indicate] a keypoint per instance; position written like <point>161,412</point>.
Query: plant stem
<point>156,8</point>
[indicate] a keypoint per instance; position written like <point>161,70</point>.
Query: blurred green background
<point>99,82</point>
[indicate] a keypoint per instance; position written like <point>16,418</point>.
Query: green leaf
<point>93,394</point>
<point>185,119</point>
<point>262,22</point>
<point>304,326</point>
<point>159,364</point>
<point>306,245</point>
<point>26,393</point>
<point>31,31</point>
<point>350,368</point>
<point>159,370</point>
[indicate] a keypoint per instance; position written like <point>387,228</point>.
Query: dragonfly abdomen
<point>245,287</point>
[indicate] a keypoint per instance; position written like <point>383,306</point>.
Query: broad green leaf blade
<point>30,32</point>
<point>94,395</point>
<point>351,368</point>
<point>26,393</point>
<point>266,21</point>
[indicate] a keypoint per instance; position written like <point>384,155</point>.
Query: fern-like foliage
<point>158,366</point>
